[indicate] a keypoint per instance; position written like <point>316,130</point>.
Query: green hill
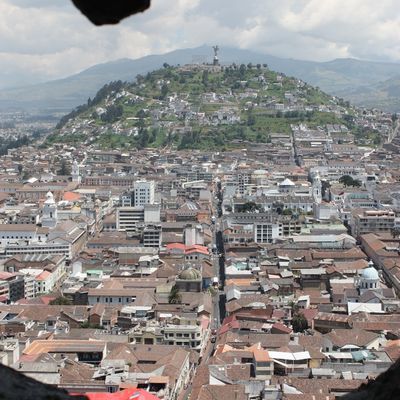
<point>201,107</point>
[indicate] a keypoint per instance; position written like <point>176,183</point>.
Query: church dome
<point>189,274</point>
<point>370,273</point>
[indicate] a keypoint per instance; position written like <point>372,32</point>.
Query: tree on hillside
<point>141,114</point>
<point>174,296</point>
<point>143,138</point>
<point>154,134</point>
<point>113,113</point>
<point>242,71</point>
<point>251,119</point>
<point>164,91</point>
<point>64,169</point>
<point>204,78</point>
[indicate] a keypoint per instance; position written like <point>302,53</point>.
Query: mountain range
<point>365,83</point>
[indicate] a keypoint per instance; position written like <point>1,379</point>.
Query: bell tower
<point>49,212</point>
<point>317,189</point>
<point>76,177</point>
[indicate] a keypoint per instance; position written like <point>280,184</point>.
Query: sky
<point>47,39</point>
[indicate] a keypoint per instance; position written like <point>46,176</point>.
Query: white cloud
<point>46,39</point>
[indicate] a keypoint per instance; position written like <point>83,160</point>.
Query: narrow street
<point>218,261</point>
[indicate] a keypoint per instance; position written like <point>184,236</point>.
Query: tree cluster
<point>174,296</point>
<point>189,140</point>
<point>13,144</point>
<point>112,114</point>
<point>299,322</point>
<point>250,206</point>
<point>64,169</point>
<point>347,181</point>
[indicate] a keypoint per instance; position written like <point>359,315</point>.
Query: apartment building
<point>143,193</point>
<point>369,221</point>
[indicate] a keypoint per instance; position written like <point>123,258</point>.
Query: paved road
<point>218,299</point>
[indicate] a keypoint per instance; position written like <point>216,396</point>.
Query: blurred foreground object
<point>102,12</point>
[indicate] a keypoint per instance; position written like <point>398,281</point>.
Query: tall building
<point>49,212</point>
<point>143,192</point>
<point>317,189</point>
<point>152,235</point>
<point>369,221</point>
<point>76,177</point>
<point>129,217</point>
<point>267,232</point>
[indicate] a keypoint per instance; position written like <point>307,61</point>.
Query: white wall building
<point>194,234</point>
<point>152,213</point>
<point>267,232</point>
<point>143,192</point>
<point>129,217</point>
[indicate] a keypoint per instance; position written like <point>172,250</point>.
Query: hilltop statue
<point>216,50</point>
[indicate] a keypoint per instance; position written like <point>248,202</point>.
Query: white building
<point>143,192</point>
<point>49,212</point>
<point>76,177</point>
<point>317,189</point>
<point>265,232</point>
<point>129,217</point>
<point>368,279</point>
<point>325,211</point>
<point>194,234</point>
<point>152,213</point>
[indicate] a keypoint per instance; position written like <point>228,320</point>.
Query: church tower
<point>317,189</point>
<point>76,177</point>
<point>49,212</point>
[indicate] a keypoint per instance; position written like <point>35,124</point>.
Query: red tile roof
<point>188,249</point>
<point>127,394</point>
